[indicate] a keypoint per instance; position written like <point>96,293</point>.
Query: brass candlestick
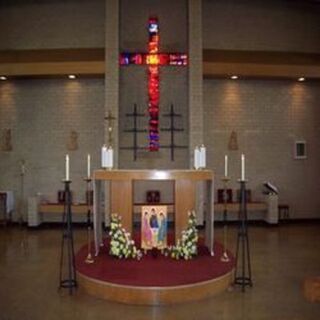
<point>225,257</point>
<point>89,258</point>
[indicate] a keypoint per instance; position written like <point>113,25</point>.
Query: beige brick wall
<point>261,25</point>
<point>29,24</point>
<point>268,116</point>
<point>40,114</point>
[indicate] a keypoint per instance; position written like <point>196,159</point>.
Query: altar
<point>121,191</point>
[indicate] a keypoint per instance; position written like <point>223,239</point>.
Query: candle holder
<point>21,206</point>
<point>24,240</point>
<point>244,279</point>
<point>225,257</point>
<point>70,281</point>
<point>89,259</point>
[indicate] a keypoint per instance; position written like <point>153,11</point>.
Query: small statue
<point>72,143</point>
<point>233,141</point>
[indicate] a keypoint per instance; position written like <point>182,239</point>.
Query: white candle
<point>67,168</point>
<point>242,168</point>
<point>110,157</point>
<point>196,158</point>
<point>225,165</point>
<point>104,157</point>
<point>202,156</point>
<point>88,165</point>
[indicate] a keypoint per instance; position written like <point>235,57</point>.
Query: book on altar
<point>154,227</point>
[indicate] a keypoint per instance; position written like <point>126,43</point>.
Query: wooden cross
<point>153,59</point>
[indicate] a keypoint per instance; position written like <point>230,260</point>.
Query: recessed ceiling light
<point>71,76</point>
<point>301,79</point>
<point>3,78</point>
<point>234,77</point>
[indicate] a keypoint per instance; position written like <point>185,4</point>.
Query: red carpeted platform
<point>154,269</point>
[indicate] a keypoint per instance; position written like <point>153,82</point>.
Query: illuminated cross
<point>153,59</point>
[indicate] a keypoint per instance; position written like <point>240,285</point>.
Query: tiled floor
<point>281,258</point>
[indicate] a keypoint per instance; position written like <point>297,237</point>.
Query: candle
<point>88,165</point>
<point>67,167</point>
<point>202,156</point>
<point>225,165</point>
<point>110,156</point>
<point>104,157</point>
<point>196,158</point>
<point>242,168</point>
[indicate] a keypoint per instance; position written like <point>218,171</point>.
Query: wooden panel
<point>121,201</point>
<point>52,62</point>
<point>221,69</point>
<point>185,193</point>
<point>53,68</point>
<point>261,57</point>
<point>234,207</point>
<point>52,55</point>
<point>58,208</point>
<point>260,64</point>
<point>154,295</point>
<point>153,174</point>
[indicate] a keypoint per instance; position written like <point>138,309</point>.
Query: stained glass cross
<point>153,59</point>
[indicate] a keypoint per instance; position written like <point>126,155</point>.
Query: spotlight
<point>71,76</point>
<point>234,77</point>
<point>301,79</point>
<point>3,78</point>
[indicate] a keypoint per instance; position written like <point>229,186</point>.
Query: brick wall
<point>268,116</point>
<point>41,114</point>
<point>261,25</point>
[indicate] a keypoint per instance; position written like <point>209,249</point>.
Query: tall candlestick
<point>242,168</point>
<point>88,165</point>
<point>67,168</point>
<point>225,165</point>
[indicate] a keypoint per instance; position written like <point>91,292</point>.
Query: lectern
<point>121,197</point>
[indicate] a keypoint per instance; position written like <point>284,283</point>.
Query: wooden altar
<point>121,188</point>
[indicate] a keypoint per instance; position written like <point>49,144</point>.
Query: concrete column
<point>195,76</point>
<point>195,91</point>
<point>112,85</point>
<point>112,71</point>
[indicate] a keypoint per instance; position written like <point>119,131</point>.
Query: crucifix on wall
<point>109,119</point>
<point>153,59</point>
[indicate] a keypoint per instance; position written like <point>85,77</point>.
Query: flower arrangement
<point>186,247</point>
<point>121,244</point>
